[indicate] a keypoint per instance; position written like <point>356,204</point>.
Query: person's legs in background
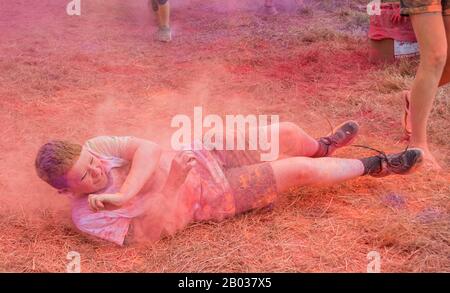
<point>162,11</point>
<point>431,36</point>
<point>445,79</point>
<point>269,8</point>
<point>302,171</point>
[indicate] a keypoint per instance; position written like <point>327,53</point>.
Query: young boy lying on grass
<point>120,183</point>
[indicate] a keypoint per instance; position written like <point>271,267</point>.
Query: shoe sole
<point>417,164</point>
<point>342,124</point>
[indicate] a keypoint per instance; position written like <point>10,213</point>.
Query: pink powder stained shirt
<point>111,225</point>
<point>205,194</point>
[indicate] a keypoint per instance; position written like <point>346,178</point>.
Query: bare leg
<point>293,141</point>
<point>301,171</point>
<point>446,75</point>
<point>406,95</point>
<point>269,8</point>
<point>164,15</point>
<point>257,185</point>
<point>430,32</point>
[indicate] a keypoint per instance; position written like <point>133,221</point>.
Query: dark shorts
<point>252,181</point>
<point>409,7</point>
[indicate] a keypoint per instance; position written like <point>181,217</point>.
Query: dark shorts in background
<point>409,7</point>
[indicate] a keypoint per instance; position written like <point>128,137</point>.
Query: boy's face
<point>87,175</point>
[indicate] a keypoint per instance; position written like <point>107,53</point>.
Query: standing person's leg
<point>162,11</point>
<point>430,32</point>
<point>445,79</point>
<point>269,8</point>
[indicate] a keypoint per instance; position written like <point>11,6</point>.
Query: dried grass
<point>305,67</point>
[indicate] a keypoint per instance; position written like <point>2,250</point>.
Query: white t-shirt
<point>111,225</point>
<point>202,189</point>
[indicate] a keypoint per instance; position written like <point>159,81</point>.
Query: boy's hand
<point>97,201</point>
<point>182,163</point>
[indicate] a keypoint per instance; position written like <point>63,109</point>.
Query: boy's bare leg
<point>257,186</point>
<point>294,141</point>
<point>302,171</point>
<point>445,79</point>
<point>430,32</point>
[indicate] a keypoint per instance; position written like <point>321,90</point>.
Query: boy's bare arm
<point>144,156</point>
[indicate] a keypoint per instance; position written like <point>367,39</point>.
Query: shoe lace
<point>326,139</point>
<point>330,124</point>
<point>391,163</point>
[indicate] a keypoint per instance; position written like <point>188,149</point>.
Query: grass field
<point>103,74</point>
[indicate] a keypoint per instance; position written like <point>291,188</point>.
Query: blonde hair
<point>54,159</point>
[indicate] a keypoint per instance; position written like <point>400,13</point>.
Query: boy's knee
<point>289,137</point>
<point>289,128</point>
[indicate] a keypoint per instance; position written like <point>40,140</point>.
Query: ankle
<point>421,145</point>
<point>371,165</point>
<point>322,148</point>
